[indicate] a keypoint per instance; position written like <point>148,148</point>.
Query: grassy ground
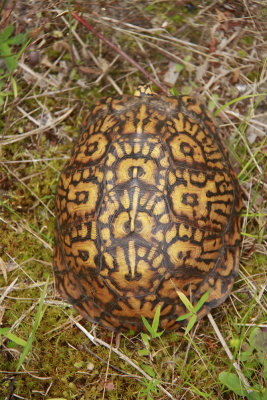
<point>213,50</point>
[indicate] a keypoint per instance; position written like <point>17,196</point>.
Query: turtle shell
<point>147,204</point>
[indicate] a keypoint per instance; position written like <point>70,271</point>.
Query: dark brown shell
<point>147,203</point>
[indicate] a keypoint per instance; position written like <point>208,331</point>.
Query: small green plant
<point>150,387</point>
<point>7,41</point>
<point>193,310</point>
<point>152,329</point>
<point>254,359</point>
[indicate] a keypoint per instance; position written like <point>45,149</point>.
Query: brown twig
<point>119,51</point>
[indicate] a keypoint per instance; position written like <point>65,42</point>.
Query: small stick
<point>121,52</point>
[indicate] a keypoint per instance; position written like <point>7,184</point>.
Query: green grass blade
<point>190,324</point>
<point>155,323</point>
<point>37,321</point>
<point>5,332</point>
<point>202,300</point>
<point>185,301</point>
<point>146,323</point>
<point>183,317</point>
<point>235,101</point>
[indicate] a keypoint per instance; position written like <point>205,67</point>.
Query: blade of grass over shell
<point>185,301</point>
<point>202,300</point>
<point>152,329</point>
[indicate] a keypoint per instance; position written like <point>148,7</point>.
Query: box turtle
<point>148,203</point>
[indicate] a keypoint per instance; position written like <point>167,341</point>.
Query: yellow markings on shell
<point>134,172</point>
<point>159,236</point>
<point>119,225</point>
<point>141,251</point>
<point>141,116</point>
<point>124,167</point>
<point>134,208</point>
<point>183,231</point>
<point>179,123</point>
<point>116,104</point>
<point>151,297</point>
<point>137,148</point>
<point>164,162</point>
<point>127,148</point>
<point>197,176</point>
<point>89,206</point>
<point>156,151</point>
<point>125,199</point>
<point>191,127</point>
<point>64,183</point>
<point>101,142</point>
<point>61,205</point>
<point>93,230</point>
<point>190,145</point>
<point>159,207</point>
<point>157,261</point>
<point>119,150</point>
<point>81,197</point>
<point>77,176</point>
<point>100,176</point>
<point>132,257</point>
<point>145,149</point>
<point>105,234</point>
<point>81,231</point>
<point>202,136</point>
<point>164,219</point>
<point>129,126</point>
<point>198,235</point>
<point>86,173</point>
<point>171,234</point>
<point>109,261</point>
<point>109,175</point>
<point>66,240</point>
<point>90,246</point>
<point>110,160</point>
<point>148,224</point>
<point>123,268</point>
<point>193,107</point>
<point>144,198</point>
<point>143,90</point>
<point>151,253</point>
<point>151,202</point>
<point>172,178</point>
<point>109,121</point>
<point>161,184</point>
<point>174,251</point>
<point>210,246</point>
<point>110,208</point>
